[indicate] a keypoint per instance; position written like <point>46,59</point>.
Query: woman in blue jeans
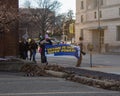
<point>33,48</point>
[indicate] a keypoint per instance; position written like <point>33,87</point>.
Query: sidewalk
<point>103,63</point>
<point>100,62</point>
<point>113,70</point>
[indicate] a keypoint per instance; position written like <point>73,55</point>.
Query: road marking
<point>50,93</point>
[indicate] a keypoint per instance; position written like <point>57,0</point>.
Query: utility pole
<point>99,25</point>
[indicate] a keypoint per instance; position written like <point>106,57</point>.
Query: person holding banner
<point>42,50</point>
<point>43,43</point>
<point>80,44</point>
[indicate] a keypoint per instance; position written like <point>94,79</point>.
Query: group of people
<point>25,46</point>
<point>31,47</point>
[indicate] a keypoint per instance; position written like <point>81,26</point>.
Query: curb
<point>57,74</point>
<point>104,84</point>
<point>115,86</point>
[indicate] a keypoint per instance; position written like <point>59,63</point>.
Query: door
<point>98,39</point>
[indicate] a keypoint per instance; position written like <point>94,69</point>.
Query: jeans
<point>33,54</point>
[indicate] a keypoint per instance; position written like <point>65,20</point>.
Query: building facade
<point>98,22</point>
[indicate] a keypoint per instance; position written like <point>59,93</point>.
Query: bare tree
<point>27,4</point>
<point>60,21</point>
<point>8,24</point>
<point>70,15</point>
<point>71,22</point>
<point>8,17</point>
<point>58,25</point>
<point>67,19</point>
<point>44,15</point>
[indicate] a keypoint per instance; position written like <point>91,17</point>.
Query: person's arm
<point>43,41</point>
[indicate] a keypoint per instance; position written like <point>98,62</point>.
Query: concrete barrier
<point>13,65</point>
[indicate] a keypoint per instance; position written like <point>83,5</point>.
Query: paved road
<point>15,84</point>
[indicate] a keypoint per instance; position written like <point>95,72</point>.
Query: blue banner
<point>63,49</point>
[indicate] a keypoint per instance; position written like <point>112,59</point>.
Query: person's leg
<point>79,61</point>
<point>26,53</point>
<point>22,55</point>
<point>31,54</point>
<point>43,58</point>
<point>34,53</point>
<point>46,60</point>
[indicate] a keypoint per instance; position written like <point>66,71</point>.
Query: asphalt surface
<point>16,84</point>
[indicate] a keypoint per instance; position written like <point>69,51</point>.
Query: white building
<point>98,22</point>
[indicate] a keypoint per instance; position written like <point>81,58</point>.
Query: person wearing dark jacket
<point>23,49</point>
<point>43,43</point>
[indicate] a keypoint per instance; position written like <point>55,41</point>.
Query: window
<point>81,33</point>
<point>101,2</point>
<point>95,4</point>
<point>119,11</point>
<point>100,14</point>
<point>82,5</point>
<point>81,18</point>
<point>118,33</point>
<point>95,15</point>
<point>102,36</point>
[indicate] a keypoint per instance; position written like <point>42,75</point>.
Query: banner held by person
<point>63,49</point>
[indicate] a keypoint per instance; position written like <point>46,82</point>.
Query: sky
<point>66,5</point>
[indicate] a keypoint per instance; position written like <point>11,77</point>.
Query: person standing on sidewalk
<point>43,43</point>
<point>42,51</point>
<point>33,47</point>
<point>80,44</point>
